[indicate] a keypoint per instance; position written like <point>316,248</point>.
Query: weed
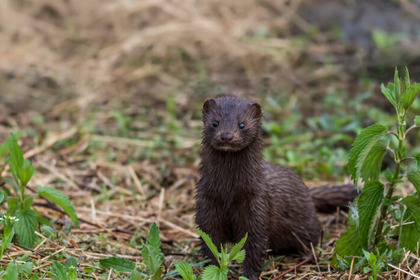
<point>152,257</point>
<point>223,258</point>
<point>22,218</point>
<point>368,214</point>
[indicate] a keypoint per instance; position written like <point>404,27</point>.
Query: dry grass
<point>74,62</point>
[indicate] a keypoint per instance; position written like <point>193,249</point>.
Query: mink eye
<point>241,125</point>
<point>215,124</point>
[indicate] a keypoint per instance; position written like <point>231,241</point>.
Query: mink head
<point>231,123</point>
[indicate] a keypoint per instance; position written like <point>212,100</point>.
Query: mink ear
<point>256,111</point>
<point>208,105</point>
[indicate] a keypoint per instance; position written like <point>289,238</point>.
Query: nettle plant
<point>379,221</point>
<point>22,218</point>
<point>153,259</point>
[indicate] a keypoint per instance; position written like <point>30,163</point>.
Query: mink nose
<point>226,137</point>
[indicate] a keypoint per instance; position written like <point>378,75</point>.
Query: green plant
<point>8,230</point>
<point>376,264</point>
<point>66,271</point>
<point>152,257</point>
<point>21,205</point>
<point>371,215</point>
<point>223,258</point>
<point>19,267</point>
<point>385,41</point>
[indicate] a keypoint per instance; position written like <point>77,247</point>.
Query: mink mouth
<point>226,147</point>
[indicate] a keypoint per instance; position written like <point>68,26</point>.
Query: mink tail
<point>328,198</point>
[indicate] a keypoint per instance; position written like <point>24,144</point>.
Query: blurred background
<point>126,79</point>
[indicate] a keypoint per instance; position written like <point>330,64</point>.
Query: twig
<point>136,180</point>
<point>59,174</point>
<point>110,273</point>
<point>137,218</point>
<point>161,198</point>
<point>314,255</point>
<point>55,208</point>
<point>55,253</point>
<point>308,259</point>
<point>120,140</point>
<point>351,267</point>
<point>403,271</point>
<point>49,142</point>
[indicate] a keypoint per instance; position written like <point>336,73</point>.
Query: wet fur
<point>239,192</point>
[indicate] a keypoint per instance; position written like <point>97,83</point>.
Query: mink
<point>239,192</point>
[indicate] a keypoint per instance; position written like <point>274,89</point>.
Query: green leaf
<point>11,271</point>
<point>185,270</point>
<point>369,204</point>
<point>367,255</point>
<point>70,262</point>
<point>417,121</point>
<point>212,272</point>
<point>135,275</point>
<point>158,274</point>
<point>9,233</point>
<point>410,94</point>
<point>58,271</point>
<point>28,201</point>
<point>417,161</point>
<point>153,258</point>
<point>367,269</point>
<point>26,226</point>
<point>397,86</point>
<point>389,94</point>
<point>242,278</point>
<point>410,233</point>
<point>1,196</point>
<point>361,222</point>
<point>25,268</point>
<point>12,204</point>
<point>4,148</point>
<point>414,177</point>
<point>373,162</point>
<point>47,230</point>
<point>237,248</point>
<point>15,160</point>
<point>26,172</point>
<point>153,238</point>
<point>407,78</point>
<point>210,244</point>
<point>239,257</point>
<point>223,256</point>
<point>118,264</point>
<point>72,273</point>
<point>361,148</point>
<point>61,200</point>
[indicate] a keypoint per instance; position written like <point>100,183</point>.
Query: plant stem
<point>410,128</point>
<point>384,210</point>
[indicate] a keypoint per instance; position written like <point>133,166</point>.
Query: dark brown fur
<point>239,192</point>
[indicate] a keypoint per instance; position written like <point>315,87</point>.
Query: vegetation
<point>378,217</point>
<point>107,98</point>
<point>22,217</point>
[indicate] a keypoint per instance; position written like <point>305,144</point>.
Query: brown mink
<point>239,192</point>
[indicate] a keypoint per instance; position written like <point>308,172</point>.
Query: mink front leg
<point>257,240</point>
<point>212,221</point>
